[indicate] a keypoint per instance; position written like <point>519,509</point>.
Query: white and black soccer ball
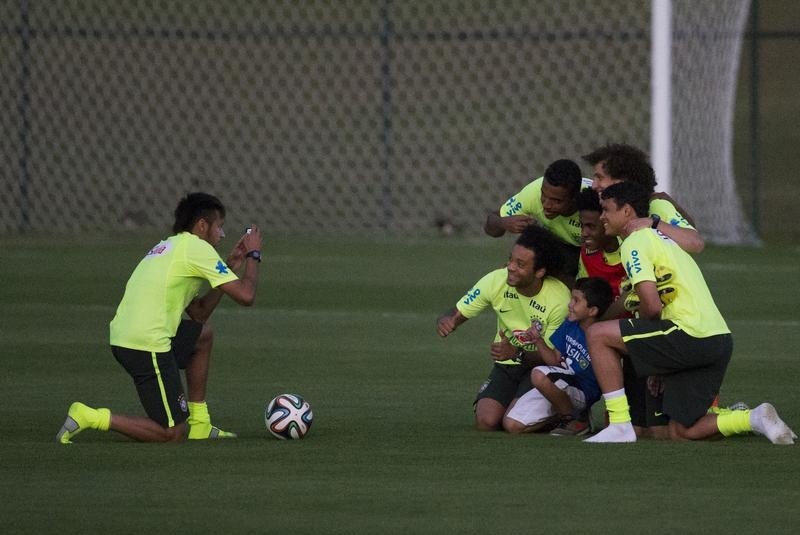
<point>288,417</point>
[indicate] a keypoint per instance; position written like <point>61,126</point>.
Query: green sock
<point>734,423</point>
<point>617,408</point>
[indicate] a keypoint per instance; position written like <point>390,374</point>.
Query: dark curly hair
<point>193,207</point>
<point>545,247</point>
<point>625,162</point>
<point>565,174</point>
<point>588,199</point>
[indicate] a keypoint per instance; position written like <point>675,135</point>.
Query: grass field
<point>349,325</point>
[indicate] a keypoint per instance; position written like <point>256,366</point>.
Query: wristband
<point>254,254</point>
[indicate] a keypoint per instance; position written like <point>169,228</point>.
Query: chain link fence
<point>345,117</point>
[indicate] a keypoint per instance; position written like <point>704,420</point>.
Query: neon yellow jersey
<point>160,288</point>
<point>529,202</point>
<point>693,309</point>
<point>515,312</point>
<point>668,213</point>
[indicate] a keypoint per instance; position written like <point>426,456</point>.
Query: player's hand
<point>655,385</point>
<point>638,223</point>
<point>502,349</point>
<point>445,324</point>
<point>516,223</point>
<point>252,239</point>
<point>236,258</point>
<point>531,335</point>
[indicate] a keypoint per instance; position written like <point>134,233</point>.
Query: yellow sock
<point>734,423</point>
<point>198,413</point>
<point>103,419</point>
<point>617,408</point>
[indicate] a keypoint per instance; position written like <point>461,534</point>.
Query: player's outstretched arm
<point>448,322</point>
<point>496,226</point>
<point>243,291</point>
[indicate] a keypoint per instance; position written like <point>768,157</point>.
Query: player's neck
<point>532,289</point>
<point>586,322</point>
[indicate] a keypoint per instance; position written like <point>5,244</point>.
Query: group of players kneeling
<point>638,329</point>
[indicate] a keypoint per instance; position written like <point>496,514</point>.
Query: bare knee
<point>513,426</point>
<point>487,422</point>
<point>538,378</point>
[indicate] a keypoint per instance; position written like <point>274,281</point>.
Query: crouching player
<point>685,339</point>
<point>565,387</point>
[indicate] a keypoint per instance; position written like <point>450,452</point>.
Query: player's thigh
<point>158,383</point>
<point>185,341</point>
<point>505,383</point>
<point>605,333</point>
<point>689,394</point>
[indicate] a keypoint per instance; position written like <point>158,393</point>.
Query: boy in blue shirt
<point>565,387</point>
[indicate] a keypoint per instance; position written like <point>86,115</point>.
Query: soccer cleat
<point>614,433</point>
<point>765,421</point>
<point>206,431</point>
<point>739,406</point>
<point>571,427</point>
<point>79,417</point>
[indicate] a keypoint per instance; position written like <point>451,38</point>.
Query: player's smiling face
<point>520,270</point>
<point>614,217</point>
<point>578,307</point>
<point>593,234</point>
<point>556,201</point>
<point>600,178</point>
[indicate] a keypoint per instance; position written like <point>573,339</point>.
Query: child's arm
<point>550,356</point>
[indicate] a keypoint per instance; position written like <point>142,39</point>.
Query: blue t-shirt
<point>570,340</point>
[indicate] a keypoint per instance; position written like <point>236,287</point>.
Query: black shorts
<point>506,383</point>
<point>157,376</point>
<point>692,368</point>
<point>645,408</point>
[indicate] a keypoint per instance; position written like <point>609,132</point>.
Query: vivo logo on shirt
<point>471,296</point>
<point>633,267</point>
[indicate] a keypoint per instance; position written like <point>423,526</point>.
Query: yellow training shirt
<point>515,312</point>
<point>529,202</point>
<point>693,309</point>
<point>160,288</point>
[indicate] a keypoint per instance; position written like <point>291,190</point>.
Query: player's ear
<point>593,312</point>
<point>540,273</point>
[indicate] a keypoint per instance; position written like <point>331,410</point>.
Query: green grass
<point>349,325</point>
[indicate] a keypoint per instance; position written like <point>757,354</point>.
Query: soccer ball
<point>288,416</point>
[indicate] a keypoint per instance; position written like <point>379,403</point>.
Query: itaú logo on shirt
<point>159,250</point>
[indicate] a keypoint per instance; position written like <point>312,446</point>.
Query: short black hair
<point>545,247</point>
<point>629,193</point>
<point>564,174</point>
<point>588,199</point>
<point>625,162</point>
<point>597,292</point>
<point>196,206</point>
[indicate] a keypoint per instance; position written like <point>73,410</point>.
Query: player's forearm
<point>549,356</point>
<point>688,239</point>
<point>201,309</point>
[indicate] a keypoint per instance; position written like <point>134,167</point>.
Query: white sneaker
<point>765,421</point>
<point>615,433</point>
